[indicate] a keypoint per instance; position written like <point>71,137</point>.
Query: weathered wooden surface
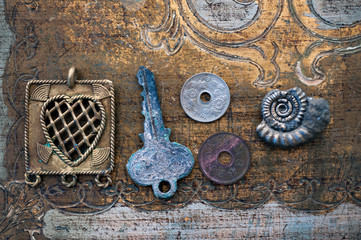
<point>278,44</point>
<point>6,40</point>
<point>201,221</point>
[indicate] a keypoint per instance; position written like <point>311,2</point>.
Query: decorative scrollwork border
<point>44,196</point>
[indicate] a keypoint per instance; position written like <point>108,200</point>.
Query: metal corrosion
<point>160,160</point>
<point>74,133</point>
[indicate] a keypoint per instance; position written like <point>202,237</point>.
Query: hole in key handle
<point>164,186</point>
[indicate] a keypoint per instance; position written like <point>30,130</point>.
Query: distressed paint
<point>107,39</point>
<point>7,38</point>
<point>337,13</point>
<point>225,15</point>
<point>201,221</point>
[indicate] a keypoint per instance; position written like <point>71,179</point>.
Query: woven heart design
<point>73,126</point>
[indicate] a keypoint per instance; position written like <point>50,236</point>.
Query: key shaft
<point>153,124</point>
<point>160,160</point>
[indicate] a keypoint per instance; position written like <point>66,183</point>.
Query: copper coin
<point>218,172</point>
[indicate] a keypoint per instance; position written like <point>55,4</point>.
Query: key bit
<point>160,160</point>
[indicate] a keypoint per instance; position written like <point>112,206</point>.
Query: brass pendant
<point>69,129</point>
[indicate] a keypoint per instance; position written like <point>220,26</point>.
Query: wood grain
<point>286,46</point>
<point>200,221</point>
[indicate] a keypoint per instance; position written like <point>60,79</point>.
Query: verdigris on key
<point>160,160</point>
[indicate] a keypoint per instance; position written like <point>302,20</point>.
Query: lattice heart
<point>73,126</point>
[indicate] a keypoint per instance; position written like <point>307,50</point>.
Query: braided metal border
<point>112,128</point>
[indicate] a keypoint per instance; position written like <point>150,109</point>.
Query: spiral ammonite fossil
<point>290,118</point>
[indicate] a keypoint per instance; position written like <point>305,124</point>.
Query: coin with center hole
<point>215,168</point>
<point>205,97</point>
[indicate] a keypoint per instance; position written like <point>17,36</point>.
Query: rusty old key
<point>160,160</point>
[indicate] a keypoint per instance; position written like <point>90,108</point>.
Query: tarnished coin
<point>220,172</point>
<point>205,97</point>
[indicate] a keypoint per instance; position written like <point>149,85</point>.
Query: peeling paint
<point>201,221</point>
<point>337,13</point>
<point>225,15</point>
<point>106,40</point>
<point>6,40</point>
<point>332,15</point>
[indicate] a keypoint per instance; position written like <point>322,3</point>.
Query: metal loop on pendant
<point>67,183</point>
<point>72,77</point>
<point>105,183</point>
<point>30,181</point>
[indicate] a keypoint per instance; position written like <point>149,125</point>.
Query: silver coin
<point>205,97</point>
